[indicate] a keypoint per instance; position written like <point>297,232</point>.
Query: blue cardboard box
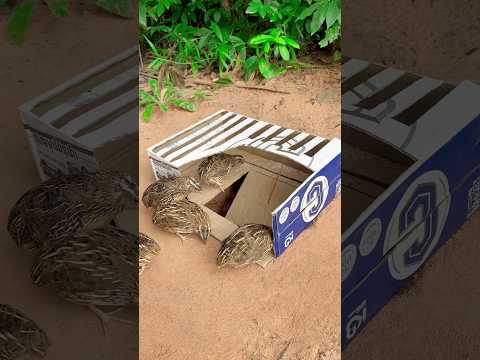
<point>288,178</point>
<point>429,134</point>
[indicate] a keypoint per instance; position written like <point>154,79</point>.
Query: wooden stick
<point>207,83</point>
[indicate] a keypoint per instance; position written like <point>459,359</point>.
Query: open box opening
<point>370,166</point>
<point>287,179</point>
<point>252,192</point>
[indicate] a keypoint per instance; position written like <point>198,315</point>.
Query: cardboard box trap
<point>89,122</point>
<point>287,179</point>
<point>411,178</point>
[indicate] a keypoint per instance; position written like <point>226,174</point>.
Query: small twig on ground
<point>208,83</point>
<point>284,350</point>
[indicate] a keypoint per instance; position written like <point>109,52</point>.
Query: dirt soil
<point>437,317</point>
<point>191,310</point>
<point>57,49</point>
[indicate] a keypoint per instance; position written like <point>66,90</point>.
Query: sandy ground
<point>437,317</point>
<point>191,310</point>
<point>56,50</point>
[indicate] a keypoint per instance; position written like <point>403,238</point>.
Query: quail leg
<point>181,236</point>
<point>106,318</point>
<point>264,262</point>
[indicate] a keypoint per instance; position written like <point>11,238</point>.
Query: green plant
<point>257,37</point>
<point>272,44</point>
<point>21,18</point>
<point>326,15</point>
<point>165,96</point>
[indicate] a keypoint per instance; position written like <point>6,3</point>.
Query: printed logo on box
<point>288,239</point>
<point>284,215</point>
<point>314,198</point>
<point>370,236</point>
<point>349,257</point>
<point>294,204</point>
<point>417,223</point>
<point>356,319</point>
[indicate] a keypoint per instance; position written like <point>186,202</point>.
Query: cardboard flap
<point>259,195</point>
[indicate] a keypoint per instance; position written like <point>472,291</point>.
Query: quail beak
<point>204,234</point>
<point>197,185</point>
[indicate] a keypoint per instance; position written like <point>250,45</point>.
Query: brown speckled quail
<point>148,249</point>
<point>182,218</point>
<point>249,244</point>
<point>19,335</point>
<point>215,168</point>
<point>107,192</point>
<point>166,191</point>
<point>96,268</point>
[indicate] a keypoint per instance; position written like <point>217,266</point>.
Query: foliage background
<point>256,38</point>
<point>263,35</point>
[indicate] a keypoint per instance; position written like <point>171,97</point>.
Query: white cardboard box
<point>289,176</point>
<point>89,122</point>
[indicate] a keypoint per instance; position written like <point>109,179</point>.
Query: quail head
<point>172,190</point>
<point>108,193</point>
<point>20,337</point>
<point>249,244</point>
<point>183,218</point>
<point>215,168</point>
<point>148,249</point>
<point>97,268</point>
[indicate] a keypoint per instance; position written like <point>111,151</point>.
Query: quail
<point>97,268</point>
<point>215,168</point>
<point>107,193</point>
<point>182,218</point>
<point>148,249</point>
<point>166,191</point>
<point>249,244</point>
<point>20,336</point>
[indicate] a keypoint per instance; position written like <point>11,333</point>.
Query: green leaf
<point>217,16</point>
<point>117,7</point>
<point>266,48</point>
<point>259,39</point>
<point>279,40</point>
<point>20,21</point>
<point>266,69</point>
<point>337,56</point>
<point>318,19</point>
<point>224,80</point>
<point>332,13</point>
<point>250,66</point>
<point>262,11</point>
<point>147,113</point>
<point>142,14</point>
<point>199,95</point>
<point>152,46</point>
<point>163,107</point>
<point>284,52</point>
<point>216,29</point>
<point>154,87</point>
<point>291,42</point>
<point>183,104</point>
<point>58,7</point>
<point>254,6</point>
<point>306,13</point>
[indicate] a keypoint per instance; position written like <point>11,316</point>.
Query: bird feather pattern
<point>249,244</point>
